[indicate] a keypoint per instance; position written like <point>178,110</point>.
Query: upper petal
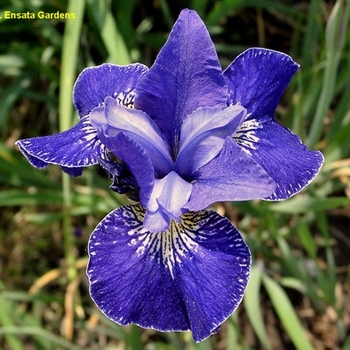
<point>257,79</point>
<point>72,149</point>
<point>231,176</point>
<point>203,135</point>
<point>94,84</point>
<point>191,277</point>
<point>185,76</point>
<point>112,118</point>
<point>282,154</point>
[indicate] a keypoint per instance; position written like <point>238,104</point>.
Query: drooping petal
<point>203,134</point>
<point>185,76</point>
<point>214,277</point>
<point>168,198</point>
<point>282,154</point>
<point>113,118</point>
<point>231,176</point>
<point>137,161</point>
<point>72,171</point>
<point>257,79</point>
<point>73,149</point>
<point>94,84</point>
<point>191,277</point>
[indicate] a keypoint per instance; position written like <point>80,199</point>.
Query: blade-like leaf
<point>252,306</point>
<point>286,314</point>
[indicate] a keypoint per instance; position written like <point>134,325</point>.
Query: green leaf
<point>286,314</point>
<point>6,320</point>
<point>306,238</point>
<point>252,306</point>
<point>302,204</point>
<point>70,45</point>
<point>114,42</point>
<point>19,197</point>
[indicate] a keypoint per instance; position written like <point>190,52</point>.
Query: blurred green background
<point>299,293</point>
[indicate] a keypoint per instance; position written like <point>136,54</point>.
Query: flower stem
<point>68,75</point>
<point>68,237</point>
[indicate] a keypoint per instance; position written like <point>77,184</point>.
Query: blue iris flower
<point>178,137</point>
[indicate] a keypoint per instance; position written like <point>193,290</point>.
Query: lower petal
<point>282,154</point>
<point>191,277</point>
<point>73,149</point>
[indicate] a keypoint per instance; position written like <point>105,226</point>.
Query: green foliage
<point>300,247</point>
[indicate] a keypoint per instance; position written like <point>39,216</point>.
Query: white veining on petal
<point>185,240</point>
<point>55,149</point>
<point>125,99</point>
<point>246,135</point>
<point>89,140</point>
<point>168,247</point>
<point>178,272</point>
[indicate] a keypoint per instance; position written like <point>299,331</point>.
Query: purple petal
<point>168,198</point>
<point>191,277</point>
<point>232,176</point>
<point>136,160</point>
<point>282,154</point>
<point>113,118</point>
<point>73,149</point>
<point>257,79</point>
<point>215,274</point>
<point>203,135</point>
<point>94,84</point>
<point>36,162</point>
<point>72,171</point>
<point>185,76</point>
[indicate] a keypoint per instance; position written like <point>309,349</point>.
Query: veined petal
<point>73,149</point>
<point>191,277</point>
<point>182,80</point>
<point>231,176</point>
<point>282,154</point>
<point>215,274</point>
<point>113,118</point>
<point>257,79</point>
<point>168,198</point>
<point>95,83</point>
<point>33,160</point>
<point>203,135</point>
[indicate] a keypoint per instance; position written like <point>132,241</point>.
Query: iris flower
<point>176,138</point>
